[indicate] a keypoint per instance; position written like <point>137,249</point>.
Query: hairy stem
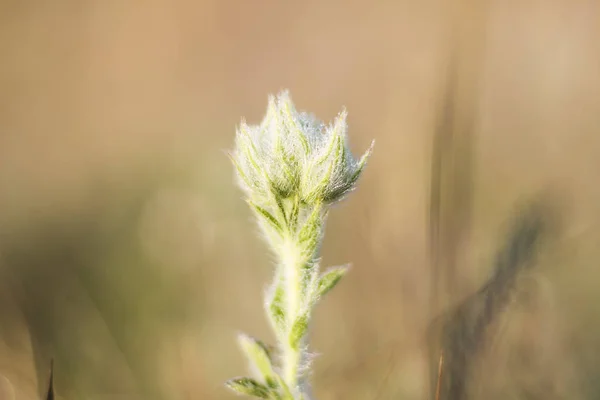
<point>292,270</point>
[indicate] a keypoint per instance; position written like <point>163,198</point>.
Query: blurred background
<point>128,256</point>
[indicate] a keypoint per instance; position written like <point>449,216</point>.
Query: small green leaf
<point>240,171</point>
<point>276,308</point>
<point>310,285</point>
<point>343,189</point>
<point>288,166</point>
<point>330,278</point>
<point>294,212</point>
<point>330,148</point>
<point>248,386</point>
<point>362,163</point>
<point>266,216</point>
<point>281,208</point>
<point>290,120</point>
<point>287,394</point>
<point>341,160</point>
<point>249,149</point>
<point>312,193</point>
<point>316,194</point>
<point>311,231</point>
<point>258,354</point>
<point>298,330</point>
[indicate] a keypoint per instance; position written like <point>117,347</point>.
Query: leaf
<point>343,189</point>
<point>281,208</point>
<point>362,162</point>
<point>258,354</point>
<point>330,278</point>
<point>275,308</point>
<point>266,216</point>
<point>240,171</point>
<point>298,331</point>
<point>294,212</point>
<point>50,395</point>
<point>287,394</point>
<point>309,282</point>
<point>248,386</point>
<point>311,231</point>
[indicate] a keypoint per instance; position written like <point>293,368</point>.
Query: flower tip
<point>244,339</point>
<point>363,160</point>
<point>370,149</point>
<point>283,97</point>
<point>271,102</point>
<point>368,152</point>
<point>242,126</point>
<point>340,125</point>
<point>285,103</point>
<point>284,93</point>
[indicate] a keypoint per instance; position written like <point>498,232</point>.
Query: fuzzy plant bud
<point>291,168</point>
<point>292,153</point>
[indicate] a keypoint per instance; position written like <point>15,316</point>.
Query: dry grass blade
<point>439,378</point>
<point>463,330</point>
<point>50,395</point>
<point>451,188</point>
<point>453,170</point>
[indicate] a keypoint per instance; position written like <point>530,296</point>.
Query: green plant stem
<point>292,273</point>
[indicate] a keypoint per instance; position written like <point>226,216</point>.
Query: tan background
<point>128,255</point>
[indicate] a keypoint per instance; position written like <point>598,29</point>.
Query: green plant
<point>292,168</point>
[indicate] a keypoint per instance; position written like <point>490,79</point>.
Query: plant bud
<point>292,153</point>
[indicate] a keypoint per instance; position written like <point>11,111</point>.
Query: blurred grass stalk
<point>452,173</point>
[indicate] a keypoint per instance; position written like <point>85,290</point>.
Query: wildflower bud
<point>291,153</point>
